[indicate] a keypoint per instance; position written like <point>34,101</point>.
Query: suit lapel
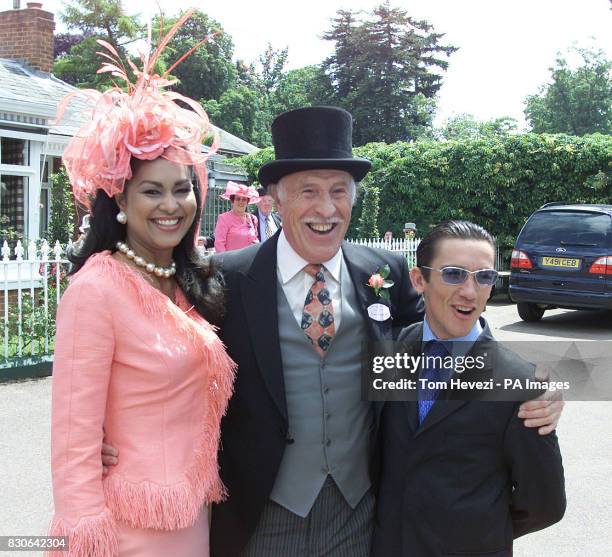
<point>439,411</point>
<point>450,402</point>
<point>360,270</point>
<point>258,291</point>
<point>414,336</point>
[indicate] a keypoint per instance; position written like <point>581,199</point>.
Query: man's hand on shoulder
<point>543,412</point>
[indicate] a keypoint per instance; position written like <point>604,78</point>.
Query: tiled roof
<point>39,93</point>
<point>36,94</point>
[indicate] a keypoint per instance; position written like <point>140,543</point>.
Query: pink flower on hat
<point>149,135</point>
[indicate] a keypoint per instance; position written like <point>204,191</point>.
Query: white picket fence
<point>31,282</point>
<point>408,247</point>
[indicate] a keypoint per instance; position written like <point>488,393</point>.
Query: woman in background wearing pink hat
<point>237,228</point>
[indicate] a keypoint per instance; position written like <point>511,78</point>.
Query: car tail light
<point>520,260</point>
<point>602,266</point>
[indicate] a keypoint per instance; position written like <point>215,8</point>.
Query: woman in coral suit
<point>136,359</point>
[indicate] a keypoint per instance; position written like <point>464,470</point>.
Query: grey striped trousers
<point>331,529</point>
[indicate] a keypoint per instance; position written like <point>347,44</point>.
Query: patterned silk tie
<point>433,370</point>
<point>268,228</point>
<point>318,313</point>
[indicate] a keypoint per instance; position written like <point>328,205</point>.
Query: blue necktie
<point>436,353</point>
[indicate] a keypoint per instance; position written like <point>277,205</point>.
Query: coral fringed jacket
<point>153,378</point>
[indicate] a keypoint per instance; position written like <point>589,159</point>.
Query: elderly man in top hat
<point>298,453</point>
<point>297,438</point>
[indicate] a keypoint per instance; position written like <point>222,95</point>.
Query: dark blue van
<point>563,259</point>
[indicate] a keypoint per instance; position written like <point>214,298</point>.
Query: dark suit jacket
<point>275,217</point>
<point>470,478</point>
<point>254,430</point>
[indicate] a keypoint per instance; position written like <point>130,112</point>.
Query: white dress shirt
<point>296,282</point>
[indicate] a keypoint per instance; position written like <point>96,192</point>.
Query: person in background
<point>388,236</point>
<point>206,242</point>
<point>409,233</point>
<point>409,230</point>
<point>269,221</point>
<point>237,228</point>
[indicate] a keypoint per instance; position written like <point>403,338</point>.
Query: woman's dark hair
<point>198,277</point>
<point>453,229</point>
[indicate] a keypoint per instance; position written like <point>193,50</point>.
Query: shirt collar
<point>459,344</point>
<point>289,263</point>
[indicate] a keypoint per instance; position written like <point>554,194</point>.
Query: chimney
<point>27,35</point>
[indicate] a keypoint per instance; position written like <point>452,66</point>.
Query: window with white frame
<point>14,153</point>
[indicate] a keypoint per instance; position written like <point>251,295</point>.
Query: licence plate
<point>561,262</point>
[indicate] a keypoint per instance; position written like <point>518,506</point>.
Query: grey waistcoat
<point>328,421</point>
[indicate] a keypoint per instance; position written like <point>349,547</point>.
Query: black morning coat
<point>471,477</point>
<point>254,430</point>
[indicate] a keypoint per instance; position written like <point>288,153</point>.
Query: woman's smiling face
<point>160,205</point>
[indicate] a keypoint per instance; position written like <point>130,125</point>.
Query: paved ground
<point>25,484</point>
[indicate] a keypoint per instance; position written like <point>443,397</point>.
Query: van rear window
<point>565,227</point>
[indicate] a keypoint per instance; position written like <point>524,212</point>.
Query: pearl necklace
<point>161,272</point>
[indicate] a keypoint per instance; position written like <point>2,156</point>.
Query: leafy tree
<point>253,162</point>
<point>209,71</point>
<point>80,65</point>
<point>246,74</point>
<point>101,17</point>
<point>262,92</point>
<point>577,101</point>
<point>61,223</point>
<point>368,219</point>
<point>63,42</point>
<point>465,126</point>
<point>243,112</point>
<point>386,71</point>
<point>76,60</point>
<point>345,67</point>
<point>272,63</point>
<point>308,86</point>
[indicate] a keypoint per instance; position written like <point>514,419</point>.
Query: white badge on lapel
<point>379,312</point>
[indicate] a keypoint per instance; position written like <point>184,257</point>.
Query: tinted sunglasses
<point>458,275</point>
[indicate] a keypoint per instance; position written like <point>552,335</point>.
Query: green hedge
<point>497,182</point>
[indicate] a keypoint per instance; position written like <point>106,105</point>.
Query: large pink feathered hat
<point>145,122</point>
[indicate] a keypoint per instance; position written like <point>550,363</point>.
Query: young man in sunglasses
<point>461,476</point>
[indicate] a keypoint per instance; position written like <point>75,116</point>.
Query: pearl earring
<point>121,217</point>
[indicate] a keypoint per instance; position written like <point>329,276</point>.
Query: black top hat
<point>317,137</point>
